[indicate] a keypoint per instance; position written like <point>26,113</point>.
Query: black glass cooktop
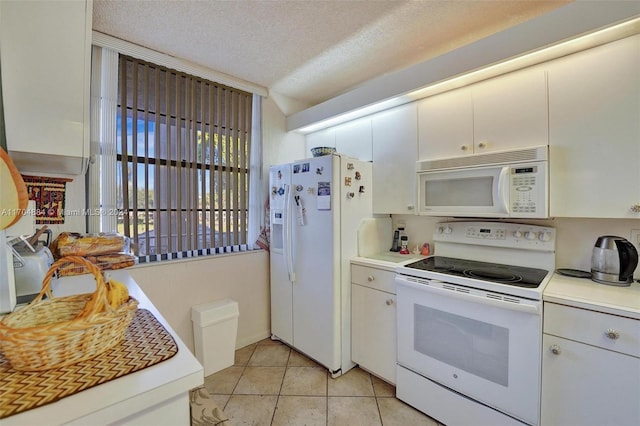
<point>493,272</point>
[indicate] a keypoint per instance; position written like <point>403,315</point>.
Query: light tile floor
<point>271,384</point>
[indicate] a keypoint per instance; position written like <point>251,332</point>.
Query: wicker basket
<point>59,331</point>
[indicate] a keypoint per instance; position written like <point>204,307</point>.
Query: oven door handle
<point>529,308</point>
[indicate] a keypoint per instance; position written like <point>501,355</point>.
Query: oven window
<point>474,191</point>
<point>477,347</point>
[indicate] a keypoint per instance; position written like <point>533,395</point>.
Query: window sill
<point>196,258</point>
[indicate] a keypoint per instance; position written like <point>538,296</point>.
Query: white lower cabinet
<point>373,321</point>
<point>590,368</point>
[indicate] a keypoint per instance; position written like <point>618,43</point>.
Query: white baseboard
<point>247,340</point>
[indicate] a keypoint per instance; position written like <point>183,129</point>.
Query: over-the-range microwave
<point>505,184</point>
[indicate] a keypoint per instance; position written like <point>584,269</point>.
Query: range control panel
<point>498,234</point>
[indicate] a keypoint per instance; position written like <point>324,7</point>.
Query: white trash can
<point>215,328</point>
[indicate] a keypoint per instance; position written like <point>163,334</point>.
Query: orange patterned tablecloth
<point>146,343</point>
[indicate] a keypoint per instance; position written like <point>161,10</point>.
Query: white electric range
<point>470,323</point>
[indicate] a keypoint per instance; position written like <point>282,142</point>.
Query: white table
<point>156,395</point>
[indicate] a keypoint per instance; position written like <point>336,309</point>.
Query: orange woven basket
<point>60,331</point>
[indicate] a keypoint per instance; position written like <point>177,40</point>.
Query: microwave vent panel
<point>494,158</point>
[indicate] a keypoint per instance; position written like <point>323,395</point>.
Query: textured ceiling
<point>309,50</point>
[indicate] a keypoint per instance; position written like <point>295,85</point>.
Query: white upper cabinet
<point>503,113</point>
<point>511,111</point>
<point>594,108</point>
<point>46,59</point>
<point>395,140</point>
<point>353,139</point>
<point>446,125</point>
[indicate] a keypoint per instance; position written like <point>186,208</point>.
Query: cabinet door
<point>510,111</point>
<point>353,139</point>
<point>373,331</point>
<point>46,57</point>
<point>594,107</point>
<point>585,385</point>
<point>395,142</point>
<point>445,125</point>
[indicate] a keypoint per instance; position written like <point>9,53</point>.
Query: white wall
<point>278,145</point>
<point>175,286</point>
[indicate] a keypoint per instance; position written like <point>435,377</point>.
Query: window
<point>182,162</point>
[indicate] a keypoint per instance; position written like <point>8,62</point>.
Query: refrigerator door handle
<point>288,241</point>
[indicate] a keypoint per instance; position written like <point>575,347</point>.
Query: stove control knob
<point>544,236</point>
<point>517,234</point>
<point>530,235</point>
<point>448,230</point>
<point>440,230</point>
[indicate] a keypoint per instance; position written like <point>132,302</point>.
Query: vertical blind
<point>183,152</point>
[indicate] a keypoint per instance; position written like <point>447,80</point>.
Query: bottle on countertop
<point>404,242</point>
<point>396,241</point>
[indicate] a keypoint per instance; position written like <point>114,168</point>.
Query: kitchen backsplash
<point>575,236</point>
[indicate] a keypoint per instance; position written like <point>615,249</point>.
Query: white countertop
<point>587,294</point>
<point>386,260</point>
<point>120,398</point>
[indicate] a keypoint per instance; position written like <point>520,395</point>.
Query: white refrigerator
<point>316,207</point>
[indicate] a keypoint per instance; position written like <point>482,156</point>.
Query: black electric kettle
<point>613,261</point>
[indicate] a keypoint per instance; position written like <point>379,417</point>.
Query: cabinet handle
<point>464,147</point>
<point>370,278</point>
<point>612,334</point>
<point>555,349</point>
<point>635,208</point>
<point>389,302</point>
<point>482,145</point>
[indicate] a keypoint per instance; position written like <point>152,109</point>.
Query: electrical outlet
<point>635,238</point>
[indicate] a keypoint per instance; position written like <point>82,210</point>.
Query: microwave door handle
<point>503,189</point>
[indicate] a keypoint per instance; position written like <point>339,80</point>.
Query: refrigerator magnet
<point>324,196</point>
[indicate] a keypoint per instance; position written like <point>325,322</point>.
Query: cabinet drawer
<point>378,279</point>
<point>593,328</point>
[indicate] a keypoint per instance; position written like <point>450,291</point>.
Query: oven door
<point>473,342</point>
